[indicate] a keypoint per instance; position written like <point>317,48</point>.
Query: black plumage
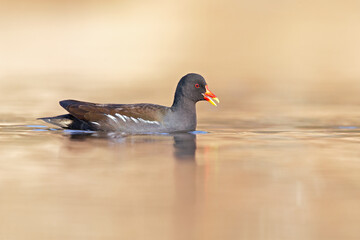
<point>139,118</point>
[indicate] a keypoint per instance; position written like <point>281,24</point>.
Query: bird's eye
<point>197,85</point>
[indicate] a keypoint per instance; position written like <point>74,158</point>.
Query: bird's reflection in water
<point>184,143</point>
<point>185,146</point>
<point>186,190</point>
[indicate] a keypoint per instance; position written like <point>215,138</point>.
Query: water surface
<point>245,174</point>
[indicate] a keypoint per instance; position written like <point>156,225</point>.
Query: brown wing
<point>115,114</point>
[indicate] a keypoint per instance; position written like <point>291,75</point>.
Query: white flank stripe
<point>112,117</point>
<point>120,116</point>
<point>95,123</point>
<point>148,121</point>
<point>126,118</point>
<point>134,119</point>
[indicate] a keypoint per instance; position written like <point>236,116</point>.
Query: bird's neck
<point>183,104</point>
<point>183,113</point>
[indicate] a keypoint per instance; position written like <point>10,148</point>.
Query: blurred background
<point>296,51</point>
<point>280,159</point>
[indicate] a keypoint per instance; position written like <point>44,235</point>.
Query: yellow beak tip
<point>210,100</point>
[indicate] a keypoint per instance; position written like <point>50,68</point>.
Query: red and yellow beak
<point>210,97</point>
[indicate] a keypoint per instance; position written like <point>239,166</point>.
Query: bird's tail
<point>67,121</point>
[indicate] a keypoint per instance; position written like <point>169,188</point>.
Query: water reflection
<point>181,186</point>
<point>183,176</point>
<point>185,146</point>
<point>184,143</point>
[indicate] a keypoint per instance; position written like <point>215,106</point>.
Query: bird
<point>141,117</point>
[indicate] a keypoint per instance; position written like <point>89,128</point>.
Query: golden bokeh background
<point>281,160</point>
<point>283,49</point>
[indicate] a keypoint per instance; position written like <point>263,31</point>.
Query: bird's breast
<point>180,121</point>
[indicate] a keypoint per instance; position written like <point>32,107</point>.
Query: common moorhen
<point>142,117</point>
